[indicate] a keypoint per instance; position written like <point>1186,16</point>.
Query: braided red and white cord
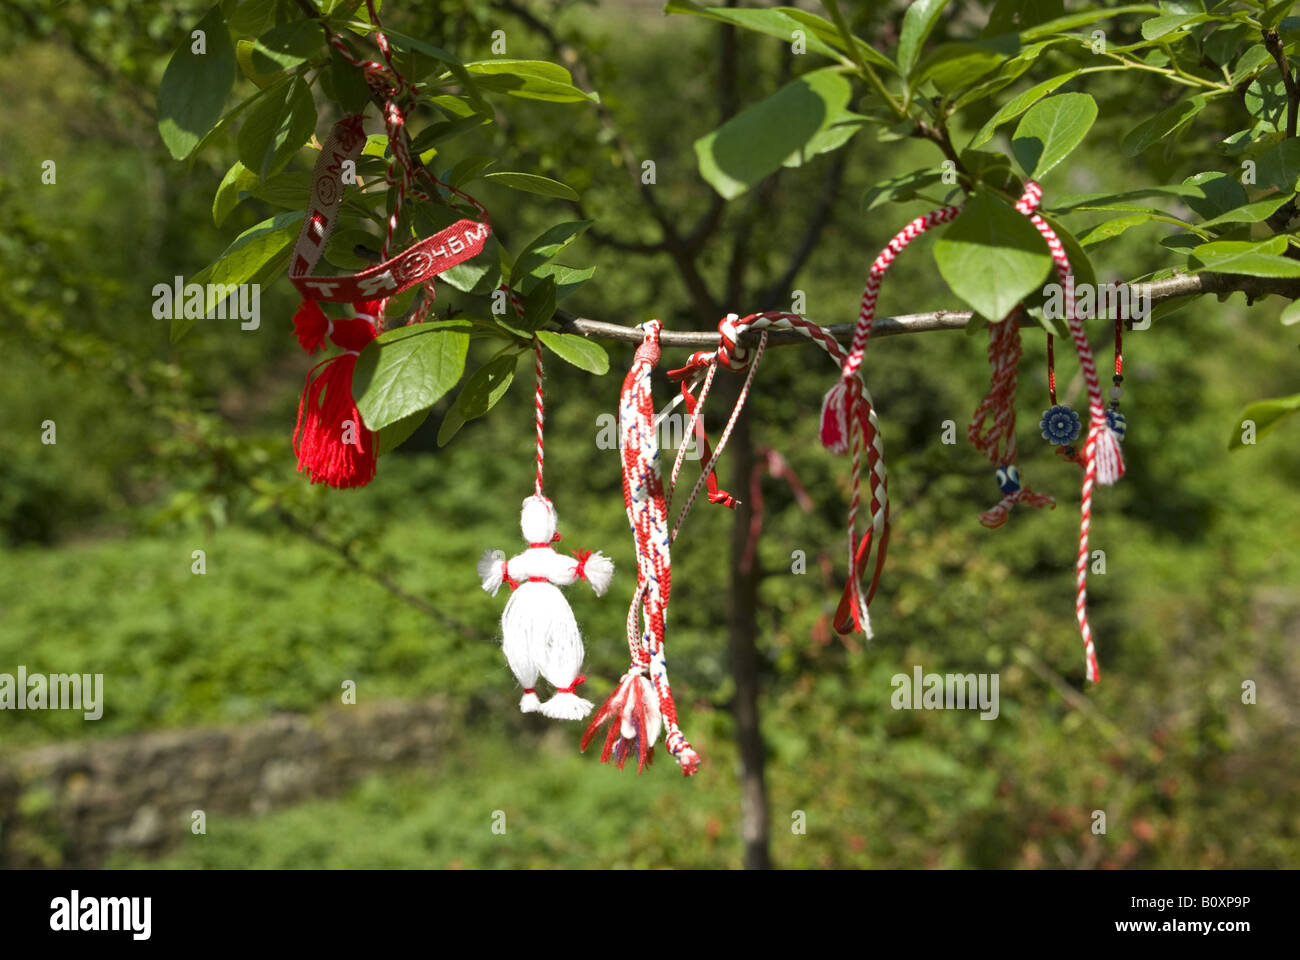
<point>647,510</point>
<point>1102,460</point>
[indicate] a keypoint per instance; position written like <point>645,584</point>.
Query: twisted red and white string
<point>845,404</point>
<point>1097,424</point>
<point>732,354</point>
<point>537,347</point>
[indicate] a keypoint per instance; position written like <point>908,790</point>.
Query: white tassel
<point>599,570</point>
<point>539,633</point>
<point>653,719</point>
<point>491,568</point>
<point>1110,458</point>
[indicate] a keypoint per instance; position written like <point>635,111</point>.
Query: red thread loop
<point>573,686</point>
<point>997,440</point>
<point>580,572</point>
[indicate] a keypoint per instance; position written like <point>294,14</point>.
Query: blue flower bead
<point>1008,479</point>
<point>1060,425</point>
<point>1118,424</point>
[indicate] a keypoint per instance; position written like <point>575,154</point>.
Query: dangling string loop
<point>847,423</point>
<point>1102,459</point>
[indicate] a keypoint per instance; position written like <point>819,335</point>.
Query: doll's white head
<point>537,520</point>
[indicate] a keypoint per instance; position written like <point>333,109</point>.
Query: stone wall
<point>71,805</point>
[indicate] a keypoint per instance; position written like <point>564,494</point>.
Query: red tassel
<point>835,418</point>
<point>333,445</point>
<point>628,707</point>
<point>310,325</point>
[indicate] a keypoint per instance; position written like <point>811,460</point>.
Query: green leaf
<point>991,240</point>
<point>567,279</point>
<point>1018,105</point>
<point>450,60</point>
<point>436,133</point>
<point>1279,166</point>
<point>579,351</point>
<point>1253,259</point>
<point>479,275</point>
<point>830,34</point>
<point>953,66</point>
<point>481,392</point>
<point>839,132</point>
<point>1050,131</point>
<point>758,140</point>
<point>252,17</point>
<point>286,46</point>
<point>407,370</point>
<point>1014,16</point>
<point>1083,18</point>
<point>195,86</point>
<point>544,247</point>
<point>1275,13</point>
<point>1077,201</point>
<point>918,21</point>
<point>1219,193</point>
<point>1251,62</point>
<point>342,248</point>
<point>389,438</point>
<point>1248,213</point>
<point>1266,100</point>
<point>1080,265</point>
<point>900,188</point>
<point>1113,228</point>
<point>254,256</point>
<point>1221,45</point>
<point>1266,414</point>
<point>1163,124</point>
<point>532,183</point>
<point>1291,315</point>
<point>540,304</point>
<point>1161,27</point>
<point>347,85</point>
<point>773,23</point>
<point>277,127</point>
<point>530,80</point>
<point>238,179</point>
<point>289,188</point>
<point>466,169</point>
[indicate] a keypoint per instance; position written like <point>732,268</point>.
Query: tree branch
<point>1171,288</point>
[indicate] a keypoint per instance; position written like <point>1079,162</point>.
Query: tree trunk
<point>742,631</point>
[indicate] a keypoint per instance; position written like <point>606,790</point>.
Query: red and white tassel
<point>331,441</point>
<point>632,712</point>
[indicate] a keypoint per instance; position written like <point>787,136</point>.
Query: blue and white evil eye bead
<point>1118,424</point>
<point>1008,479</point>
<point>1060,425</point>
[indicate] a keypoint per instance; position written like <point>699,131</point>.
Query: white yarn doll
<point>538,632</point>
